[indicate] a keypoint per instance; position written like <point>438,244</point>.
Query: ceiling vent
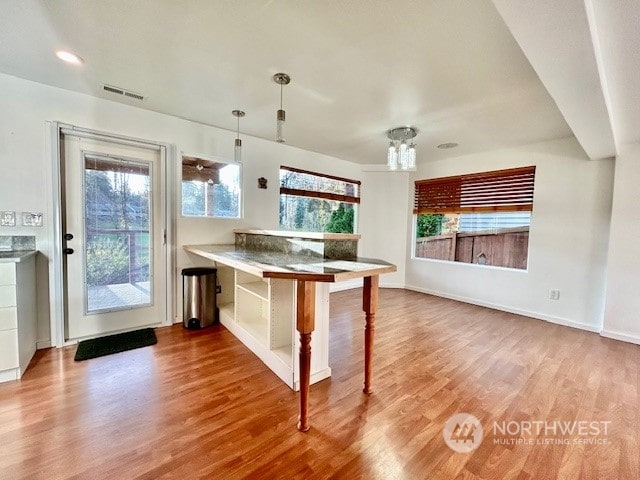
<point>122,91</point>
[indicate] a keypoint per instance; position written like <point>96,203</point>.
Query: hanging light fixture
<point>237,151</point>
<point>281,79</point>
<point>401,156</point>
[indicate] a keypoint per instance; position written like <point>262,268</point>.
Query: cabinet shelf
<point>285,354</point>
<point>260,289</point>
<point>251,311</point>
<point>261,314</point>
<point>257,330</point>
<point>227,310</point>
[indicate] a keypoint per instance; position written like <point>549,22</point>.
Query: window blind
<point>303,183</point>
<point>107,164</point>
<point>508,190</point>
<point>198,170</point>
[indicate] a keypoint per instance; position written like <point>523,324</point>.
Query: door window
<point>118,233</point>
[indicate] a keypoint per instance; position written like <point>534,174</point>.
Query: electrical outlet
<point>554,294</point>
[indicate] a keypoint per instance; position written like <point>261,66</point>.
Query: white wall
<point>567,242</point>
<point>622,312</point>
<point>569,231</point>
<point>383,220</point>
<point>26,106</point>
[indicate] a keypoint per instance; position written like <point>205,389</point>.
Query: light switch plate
<point>8,219</point>
<point>32,219</point>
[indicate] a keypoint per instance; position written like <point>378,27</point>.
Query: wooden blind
<point>311,184</point>
<point>115,165</point>
<point>498,191</point>
<point>199,170</point>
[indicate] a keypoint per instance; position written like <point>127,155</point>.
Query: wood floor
<point>200,405</point>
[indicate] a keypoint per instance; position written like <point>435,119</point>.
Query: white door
<point>114,237</point>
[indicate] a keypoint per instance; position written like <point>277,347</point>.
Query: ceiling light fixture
<point>69,57</point>
<point>237,151</point>
<point>400,155</point>
<point>281,79</point>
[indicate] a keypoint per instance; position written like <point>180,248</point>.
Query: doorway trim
<point>55,212</point>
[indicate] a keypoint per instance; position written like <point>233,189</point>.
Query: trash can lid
<point>195,271</point>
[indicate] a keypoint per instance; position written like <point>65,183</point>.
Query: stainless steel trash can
<point>199,307</point>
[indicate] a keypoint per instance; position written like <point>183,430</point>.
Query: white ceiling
<point>451,68</point>
<point>618,37</point>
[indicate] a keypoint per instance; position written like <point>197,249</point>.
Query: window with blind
<point>316,202</point>
<point>210,188</point>
<point>480,218</point>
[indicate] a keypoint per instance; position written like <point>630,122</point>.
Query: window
<point>315,202</point>
<point>210,189</point>
<point>479,218</point>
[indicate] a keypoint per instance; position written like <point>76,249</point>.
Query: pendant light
<point>281,79</point>
<point>401,156</point>
<point>237,151</point>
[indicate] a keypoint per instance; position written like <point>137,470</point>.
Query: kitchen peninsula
<point>276,282</point>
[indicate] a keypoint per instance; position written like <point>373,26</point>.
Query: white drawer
<point>8,296</point>
<point>8,318</point>
<point>7,273</point>
<point>8,349</point>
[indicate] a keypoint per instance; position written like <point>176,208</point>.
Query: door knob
<point>68,236</point>
<point>67,251</point>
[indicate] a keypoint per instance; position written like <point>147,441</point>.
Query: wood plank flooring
<point>200,405</point>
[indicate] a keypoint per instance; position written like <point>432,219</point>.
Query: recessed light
<point>69,57</point>
<point>444,146</point>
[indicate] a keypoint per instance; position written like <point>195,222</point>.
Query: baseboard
<point>314,378</point>
<point>9,375</point>
<point>620,336</point>
<point>42,344</point>
<point>527,313</point>
<point>351,284</point>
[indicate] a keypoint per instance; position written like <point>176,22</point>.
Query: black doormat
<point>121,342</point>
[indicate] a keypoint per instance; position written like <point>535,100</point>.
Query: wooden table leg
<point>305,323</point>
<point>369,305</point>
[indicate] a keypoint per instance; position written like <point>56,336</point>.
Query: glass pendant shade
<point>392,157</point>
<point>237,151</point>
<point>411,163</point>
<point>404,156</point>
<point>280,126</point>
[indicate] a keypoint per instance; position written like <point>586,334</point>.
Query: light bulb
<point>69,57</point>
<point>280,126</point>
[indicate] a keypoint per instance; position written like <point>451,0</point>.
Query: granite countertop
<point>16,256</point>
<point>291,266</point>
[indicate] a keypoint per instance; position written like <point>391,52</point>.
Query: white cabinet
<point>18,322</point>
<point>261,314</point>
